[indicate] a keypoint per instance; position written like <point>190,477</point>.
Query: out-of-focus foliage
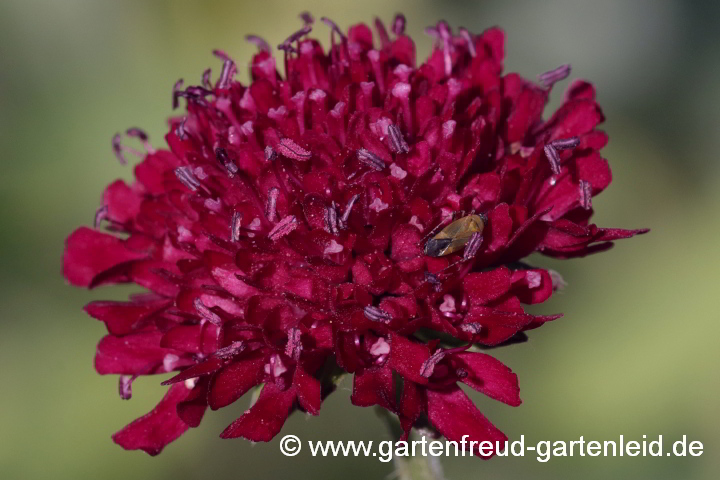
<point>635,354</point>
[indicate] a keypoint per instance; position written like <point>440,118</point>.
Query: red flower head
<point>283,237</point>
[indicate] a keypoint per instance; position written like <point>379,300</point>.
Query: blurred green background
<point>635,354</point>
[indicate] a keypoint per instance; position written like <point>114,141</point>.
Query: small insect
<point>465,232</point>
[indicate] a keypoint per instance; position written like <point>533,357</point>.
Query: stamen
<point>230,351</point>
<point>293,348</point>
<point>226,75</point>
<point>270,154</point>
<point>346,213</point>
<point>377,314</point>
<point>558,282</point>
<point>565,143</point>
<point>137,133</point>
<point>175,93</point>
<point>224,159</point>
<point>271,207</point>
<point>432,32</point>
<point>259,42</point>
<point>446,36</point>
<point>428,366</point>
<point>235,224</point>
<point>221,55</point>
<point>473,328</point>
<point>461,373</point>
<point>473,246</point>
<point>117,149</point>
<point>125,386</point>
<point>585,194</point>
<point>206,78</point>
<point>307,18</point>
<point>331,221</point>
<point>187,178</point>
<point>284,227</point>
<point>180,130</point>
<point>292,150</point>
<point>397,142</point>
<point>467,36</point>
<point>214,205</point>
<point>553,158</point>
<point>100,215</point>
<point>333,26</point>
<point>287,44</point>
<point>382,32</point>
<point>140,134</point>
<point>432,278</point>
<point>548,79</point>
<point>370,159</point>
<point>377,66</point>
<point>398,25</point>
<point>206,313</point>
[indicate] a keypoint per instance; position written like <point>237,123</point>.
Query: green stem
<point>410,468</point>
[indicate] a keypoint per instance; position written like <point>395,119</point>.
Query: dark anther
<point>230,351</point>
<point>271,207</point>
<point>377,314</point>
<point>206,313</point>
<point>397,142</point>
<point>565,143</point>
<point>428,366</point>
<point>331,220</point>
<point>187,178</point>
<point>548,79</point>
<point>293,348</point>
<point>283,227</point>
<point>398,25</point>
<point>259,42</point>
<point>585,194</point>
<point>206,78</point>
<point>176,93</point>
<point>100,215</point>
<point>370,159</point>
<point>235,224</point>
<point>554,159</point>
<point>307,18</point>
<point>346,214</point>
<point>224,159</point>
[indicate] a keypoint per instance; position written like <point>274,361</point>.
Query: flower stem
<point>418,467</point>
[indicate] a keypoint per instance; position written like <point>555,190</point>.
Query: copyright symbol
<point>290,445</point>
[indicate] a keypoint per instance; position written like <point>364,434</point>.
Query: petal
<point>412,404</point>
<point>192,409</point>
<point>407,357</point>
<point>265,419</point>
<point>374,386</point>
<point>89,252</point>
<point>206,367</point>
<point>138,353</point>
<point>455,415</point>
<point>532,286</point>
<point>482,287</point>
<point>122,317</point>
<point>161,426</point>
<point>123,203</point>
<point>308,391</point>
<point>490,376</point>
<point>233,381</point>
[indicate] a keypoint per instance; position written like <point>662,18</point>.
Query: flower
<point>281,236</point>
